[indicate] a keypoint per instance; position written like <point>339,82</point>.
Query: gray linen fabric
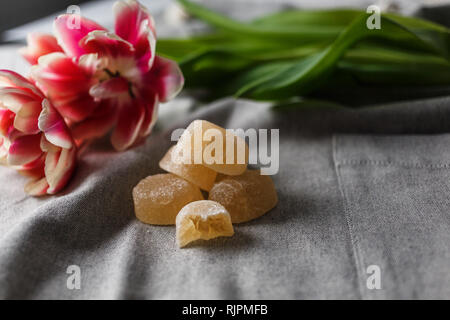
<point>356,188</point>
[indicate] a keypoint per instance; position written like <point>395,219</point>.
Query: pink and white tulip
<point>103,80</point>
<point>34,138</point>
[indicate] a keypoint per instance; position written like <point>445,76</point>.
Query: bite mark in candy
<point>246,197</point>
<point>159,198</point>
<point>202,220</point>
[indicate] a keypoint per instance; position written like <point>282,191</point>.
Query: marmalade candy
<point>214,147</point>
<point>246,197</point>
<point>197,174</point>
<point>203,219</point>
<point>159,198</point>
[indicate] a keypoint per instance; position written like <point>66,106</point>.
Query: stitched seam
<point>366,162</point>
<point>354,242</point>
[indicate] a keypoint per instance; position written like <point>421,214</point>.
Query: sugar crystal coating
<point>159,198</point>
<point>246,197</point>
<point>202,139</point>
<point>199,175</point>
<point>202,220</point>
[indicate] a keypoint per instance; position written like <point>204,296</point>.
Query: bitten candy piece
<point>199,175</point>
<point>214,147</point>
<point>246,197</point>
<point>159,198</point>
<point>202,220</point>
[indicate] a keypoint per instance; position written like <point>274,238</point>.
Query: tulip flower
<point>34,138</point>
<point>99,80</point>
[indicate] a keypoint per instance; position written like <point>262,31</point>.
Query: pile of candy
<point>235,194</point>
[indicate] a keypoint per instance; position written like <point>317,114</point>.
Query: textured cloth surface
<point>356,188</point>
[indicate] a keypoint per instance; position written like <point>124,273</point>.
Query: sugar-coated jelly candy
<point>159,198</point>
<point>246,197</point>
<point>202,220</point>
<point>199,175</point>
<point>214,147</point>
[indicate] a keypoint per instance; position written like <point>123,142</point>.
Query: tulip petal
<point>66,84</point>
<point>26,119</point>
<point>146,46</point>
<point>34,169</point>
<point>13,134</point>
<point>10,78</point>
<point>129,122</point>
<point>98,124</point>
<point>129,15</point>
<point>111,88</point>
<point>6,121</point>
<point>117,55</point>
<point>24,150</point>
<point>39,44</point>
<point>92,63</point>
<point>52,124</point>
<point>47,146</point>
<point>60,76</point>
<point>78,109</point>
<point>37,187</point>
<point>165,78</point>
<point>69,34</point>
<point>3,152</point>
<point>59,167</point>
<point>151,115</point>
<point>135,24</point>
<point>14,98</point>
<point>106,44</point>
